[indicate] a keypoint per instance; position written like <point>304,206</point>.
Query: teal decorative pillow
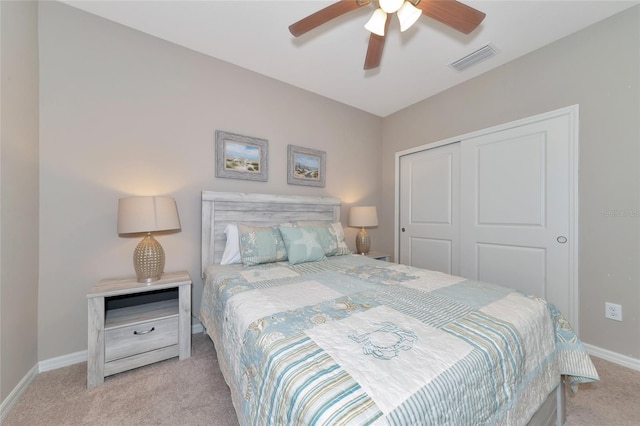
<point>333,243</point>
<point>302,245</point>
<point>261,245</point>
<point>327,240</point>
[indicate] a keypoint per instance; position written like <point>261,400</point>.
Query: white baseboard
<point>62,361</point>
<point>616,358</point>
<point>11,399</point>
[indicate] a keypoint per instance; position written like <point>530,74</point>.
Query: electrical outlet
<point>613,311</point>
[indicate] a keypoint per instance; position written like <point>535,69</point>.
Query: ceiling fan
<point>450,12</point>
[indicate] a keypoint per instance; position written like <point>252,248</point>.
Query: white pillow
<point>231,252</point>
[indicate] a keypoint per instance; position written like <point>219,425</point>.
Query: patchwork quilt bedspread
<point>352,340</point>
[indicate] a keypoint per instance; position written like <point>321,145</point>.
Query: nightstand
<point>377,255</point>
<point>132,324</point>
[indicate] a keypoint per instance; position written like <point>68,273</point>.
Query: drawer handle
<point>143,332</point>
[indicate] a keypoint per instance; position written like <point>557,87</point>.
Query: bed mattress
<point>352,340</point>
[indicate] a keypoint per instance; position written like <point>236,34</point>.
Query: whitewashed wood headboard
<point>221,208</point>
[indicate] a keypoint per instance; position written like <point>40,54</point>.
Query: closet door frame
<point>573,114</point>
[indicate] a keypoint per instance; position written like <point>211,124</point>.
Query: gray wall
<point>124,113</point>
<point>599,69</point>
<point>18,192</point>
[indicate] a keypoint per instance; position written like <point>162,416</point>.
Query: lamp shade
<point>363,216</point>
<point>377,22</point>
<point>147,214</point>
<point>408,15</point>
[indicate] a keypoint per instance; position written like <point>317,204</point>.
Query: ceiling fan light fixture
<point>408,14</point>
<point>377,22</point>
<point>390,6</point>
<point>451,13</point>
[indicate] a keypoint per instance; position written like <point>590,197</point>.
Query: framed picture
<point>241,157</point>
<point>305,166</point>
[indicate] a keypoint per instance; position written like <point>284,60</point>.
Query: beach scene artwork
<point>307,167</point>
<point>242,157</point>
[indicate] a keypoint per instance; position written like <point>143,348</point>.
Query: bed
<point>335,338</point>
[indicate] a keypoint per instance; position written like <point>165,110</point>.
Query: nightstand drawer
<point>121,342</point>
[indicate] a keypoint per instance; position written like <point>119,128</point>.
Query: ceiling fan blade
<point>457,15</point>
<point>325,15</point>
<point>374,51</point>
<point>376,45</point>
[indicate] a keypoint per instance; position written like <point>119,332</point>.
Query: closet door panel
<point>429,209</point>
<point>505,265</point>
<point>515,204</point>
<point>511,181</point>
<point>431,253</point>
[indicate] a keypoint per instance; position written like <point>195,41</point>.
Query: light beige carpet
<point>613,401</point>
<point>193,392</point>
<point>172,392</point>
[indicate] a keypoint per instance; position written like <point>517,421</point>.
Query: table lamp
<point>147,214</point>
<point>362,217</point>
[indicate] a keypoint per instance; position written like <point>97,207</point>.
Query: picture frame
<point>241,157</point>
<point>306,166</point>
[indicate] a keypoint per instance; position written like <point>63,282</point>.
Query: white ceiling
<point>329,60</point>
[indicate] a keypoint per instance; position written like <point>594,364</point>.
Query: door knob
<point>402,229</point>
<point>561,239</point>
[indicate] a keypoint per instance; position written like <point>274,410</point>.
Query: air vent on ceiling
<point>474,58</point>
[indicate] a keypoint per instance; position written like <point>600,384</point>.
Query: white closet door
<point>516,200</point>
<point>430,210</point>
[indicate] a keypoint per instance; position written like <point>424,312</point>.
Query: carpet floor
<point>193,392</point>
